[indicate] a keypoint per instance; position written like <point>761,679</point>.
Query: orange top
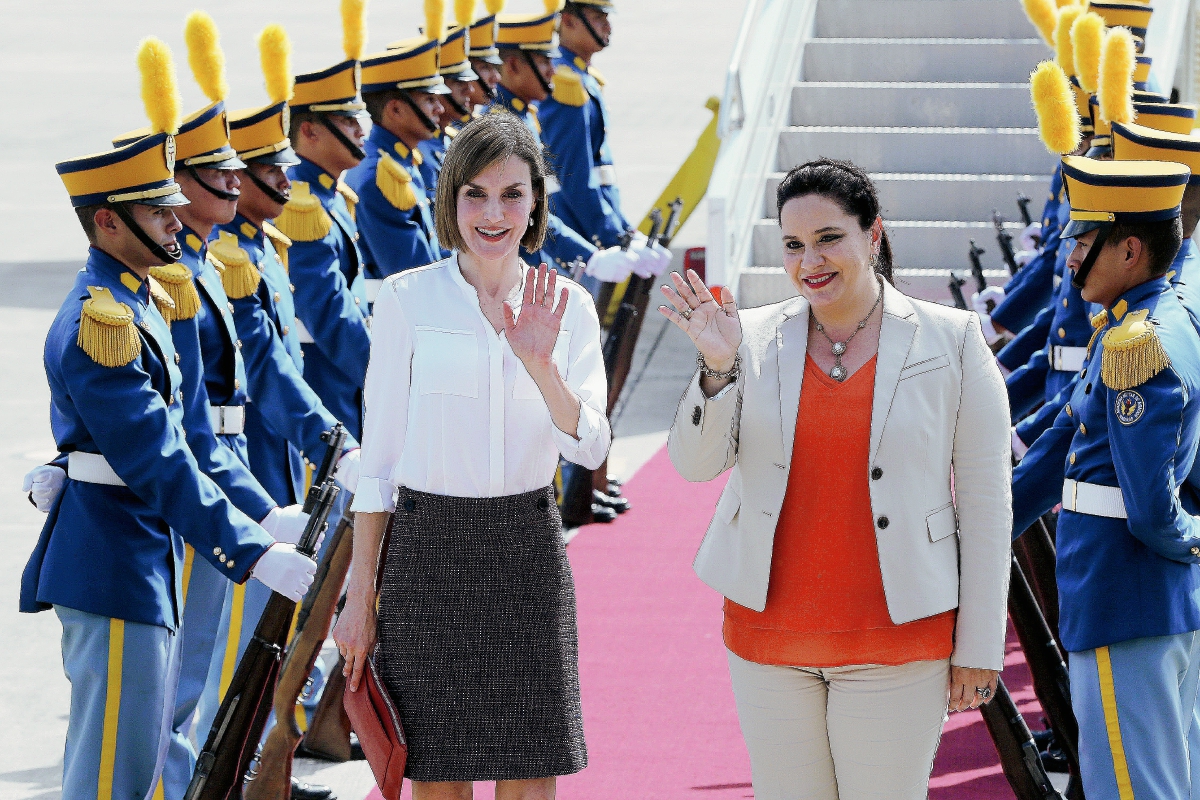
<point>825,601</point>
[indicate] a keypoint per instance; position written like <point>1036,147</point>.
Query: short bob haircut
<point>492,137</point>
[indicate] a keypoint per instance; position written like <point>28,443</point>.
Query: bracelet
<point>709,372</point>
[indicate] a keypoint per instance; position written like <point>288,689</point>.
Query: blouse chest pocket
<point>446,362</point>
<point>524,387</point>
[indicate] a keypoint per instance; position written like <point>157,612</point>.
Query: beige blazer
<point>939,469</point>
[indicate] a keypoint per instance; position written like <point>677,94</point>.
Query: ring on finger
<point>984,691</point>
<point>686,313</point>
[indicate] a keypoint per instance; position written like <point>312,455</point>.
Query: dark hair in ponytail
<point>848,186</point>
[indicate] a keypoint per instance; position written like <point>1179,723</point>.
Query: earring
<point>531,222</point>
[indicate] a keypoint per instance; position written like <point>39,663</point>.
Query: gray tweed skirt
<point>478,644</point>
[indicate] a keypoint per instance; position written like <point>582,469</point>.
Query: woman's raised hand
<point>532,335</point>
<point>714,328</point>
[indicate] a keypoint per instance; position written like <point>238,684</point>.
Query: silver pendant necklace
<point>838,373</point>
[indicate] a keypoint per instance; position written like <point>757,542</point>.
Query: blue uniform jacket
<point>393,239</point>
<point>213,373</point>
<point>1030,289</point>
<point>1122,579</point>
<point>563,245</point>
<point>330,302</point>
<point>284,418</point>
<point>576,141</point>
<point>117,551</point>
<point>433,153</point>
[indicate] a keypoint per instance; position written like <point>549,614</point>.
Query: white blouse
<point>451,410</point>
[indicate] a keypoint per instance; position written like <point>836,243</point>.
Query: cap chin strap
<point>429,124</point>
<point>156,249</point>
<point>214,191</point>
<point>579,15</point>
<point>270,191</point>
<point>537,73</point>
<point>458,107</point>
<point>488,91</point>
<point>1081,275</point>
<point>354,150</point>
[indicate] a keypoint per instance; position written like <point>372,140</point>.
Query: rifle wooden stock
<point>329,734</point>
<point>1018,754</point>
<point>274,778</point>
<point>1035,553</point>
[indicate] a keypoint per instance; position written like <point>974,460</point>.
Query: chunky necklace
<point>838,373</point>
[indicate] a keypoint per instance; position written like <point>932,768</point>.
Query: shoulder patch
<point>304,219</point>
<point>175,280</point>
<point>281,242</point>
<point>349,195</point>
<point>1133,353</point>
<point>240,277</point>
<point>1129,407</point>
<point>568,88</point>
<point>395,182</point>
<point>106,330</point>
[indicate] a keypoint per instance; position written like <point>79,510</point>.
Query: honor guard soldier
<point>1128,552</point>
<point>483,53</point>
<point>111,557</point>
<point>402,91</point>
<point>324,260</point>
<point>527,49</point>
<point>464,92</point>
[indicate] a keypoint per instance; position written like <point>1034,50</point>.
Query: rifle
<point>956,284</point>
<point>1005,240</point>
<point>236,730</point>
<point>607,288</point>
<point>274,778</point>
<point>1023,204</point>
<point>1019,756</point>
<point>977,267</point>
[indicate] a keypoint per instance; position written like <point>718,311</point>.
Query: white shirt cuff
<point>374,495</point>
<point>589,427</point>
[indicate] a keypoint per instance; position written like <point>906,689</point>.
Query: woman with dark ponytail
<point>864,596</point>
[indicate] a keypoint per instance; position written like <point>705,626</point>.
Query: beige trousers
<point>841,733</point>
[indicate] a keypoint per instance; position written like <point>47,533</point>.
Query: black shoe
<point>617,504</point>
<point>1043,739</point>
<point>1054,760</point>
<point>602,513</point>
<point>356,751</point>
<point>311,791</point>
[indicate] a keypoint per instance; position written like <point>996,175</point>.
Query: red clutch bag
<point>373,716</point>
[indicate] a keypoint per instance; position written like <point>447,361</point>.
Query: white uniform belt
<point>605,174</point>
<point>1067,359</point>
<point>552,185</point>
<point>228,420</point>
<point>91,468</point>
<point>302,332</point>
<point>372,286</point>
<point>1094,499</point>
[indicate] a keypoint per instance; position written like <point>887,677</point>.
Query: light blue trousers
<point>1139,734</point>
<point>123,677</point>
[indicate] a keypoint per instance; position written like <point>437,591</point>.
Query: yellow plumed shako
<point>1102,192</point>
<point>107,332</point>
<point>304,219</point>
<point>1115,91</point>
<point>1058,119</point>
<point>1087,40</point>
<point>176,281</point>
<point>275,57</point>
<point>205,56</point>
<point>261,134</point>
<point>1064,53</point>
<point>1043,15</point>
<point>395,182</point>
<point>1133,142</point>
<point>239,277</point>
<point>337,90</point>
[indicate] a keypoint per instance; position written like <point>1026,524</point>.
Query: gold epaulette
<point>107,332</point>
<point>395,182</point>
<point>304,219</point>
<point>598,75</point>
<point>450,131</point>
<point>162,300</point>
<point>1099,320</point>
<point>281,242</point>
<point>349,195</point>
<point>239,277</point>
<point>175,281</point>
<point>1133,353</point>
<point>568,87</point>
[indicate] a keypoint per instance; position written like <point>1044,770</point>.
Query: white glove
<point>611,265</point>
<point>44,483</point>
<point>346,473</point>
<point>979,300</point>
<point>281,569</point>
<point>652,261</point>
<point>1023,257</point>
<point>1031,237</point>
<point>286,524</point>
<point>989,331</point>
<point>1019,447</point>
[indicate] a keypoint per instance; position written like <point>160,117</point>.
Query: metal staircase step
<point>957,18</point>
<point>979,105</point>
<point>927,59</point>
<point>928,149</point>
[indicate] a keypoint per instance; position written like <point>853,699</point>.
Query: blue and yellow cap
<point>142,171</point>
<point>1171,117</point>
<point>1082,107</point>
<point>202,140</point>
<point>409,64</point>
<point>1102,192</point>
<point>531,32</point>
<point>1135,16</point>
<point>1135,142</point>
<point>338,89</point>
<point>1141,71</point>
<point>260,135</point>
<point>1143,96</point>
<point>455,63</point>
<point>481,40</point>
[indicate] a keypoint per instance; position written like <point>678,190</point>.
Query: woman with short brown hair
<point>478,382</point>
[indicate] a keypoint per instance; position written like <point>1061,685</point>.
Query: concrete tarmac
<point>70,84</point>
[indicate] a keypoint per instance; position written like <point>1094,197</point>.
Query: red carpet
<point>657,705</point>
